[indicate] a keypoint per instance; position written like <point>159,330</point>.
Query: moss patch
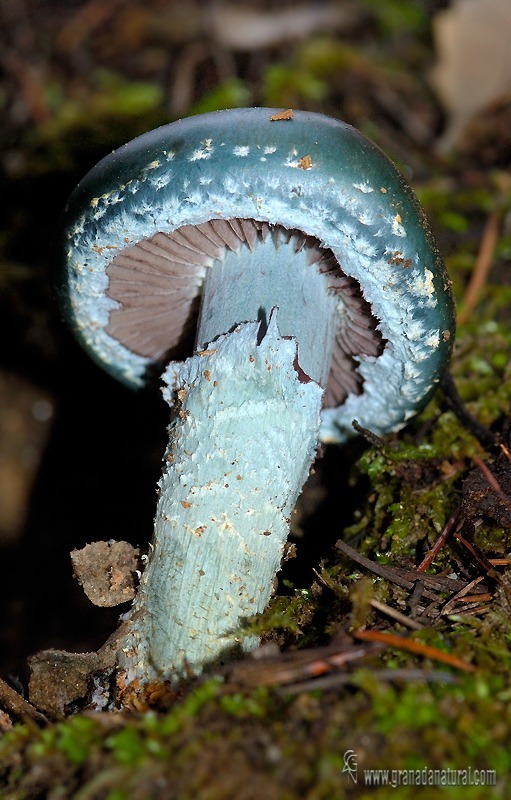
<point>224,741</point>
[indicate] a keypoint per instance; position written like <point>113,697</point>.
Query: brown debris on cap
<point>282,115</point>
<point>305,162</point>
<point>158,282</point>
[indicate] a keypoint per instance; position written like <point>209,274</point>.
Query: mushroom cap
<point>309,173</point>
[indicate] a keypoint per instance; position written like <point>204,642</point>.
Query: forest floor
<point>370,661</point>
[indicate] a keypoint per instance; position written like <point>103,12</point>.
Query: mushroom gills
<point>158,284</point>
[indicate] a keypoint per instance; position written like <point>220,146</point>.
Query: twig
<point>492,481</point>
<point>429,609</point>
<point>391,612</point>
<point>368,435</point>
<point>456,404</point>
<point>482,265</point>
<point>479,557</point>
<point>449,606</point>
<point>415,598</point>
<point>290,667</point>
<point>448,528</point>
<point>391,675</point>
<point>465,611</point>
<point>379,569</point>
<point>405,578</point>
<point>413,646</point>
<point>17,705</point>
<point>478,598</point>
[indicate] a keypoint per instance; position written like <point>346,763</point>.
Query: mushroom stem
<point>247,284</point>
<point>242,440</point>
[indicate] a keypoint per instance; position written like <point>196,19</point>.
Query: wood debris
<point>286,668</point>
<point>282,115</point>
<point>430,587</point>
<point>17,706</point>
<point>414,646</point>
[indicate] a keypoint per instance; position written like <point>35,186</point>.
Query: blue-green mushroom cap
<point>309,173</point>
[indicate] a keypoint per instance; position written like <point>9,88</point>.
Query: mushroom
<point>282,275</point>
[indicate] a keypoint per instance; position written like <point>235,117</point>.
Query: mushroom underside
<point>158,284</point>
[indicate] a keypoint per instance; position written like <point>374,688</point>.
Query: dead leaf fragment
<point>473,69</point>
<point>240,28</point>
<point>282,115</point>
<point>106,571</point>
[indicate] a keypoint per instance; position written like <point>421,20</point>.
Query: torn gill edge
<point>263,330</point>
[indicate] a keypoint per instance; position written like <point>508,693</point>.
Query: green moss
<point>232,93</point>
<point>90,117</point>
<point>240,705</point>
<point>394,17</point>
<point>129,747</point>
<point>73,739</point>
<point>289,86</point>
<point>308,74</point>
<point>282,613</point>
<point>415,487</point>
<point>241,743</point>
<point>111,96</point>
